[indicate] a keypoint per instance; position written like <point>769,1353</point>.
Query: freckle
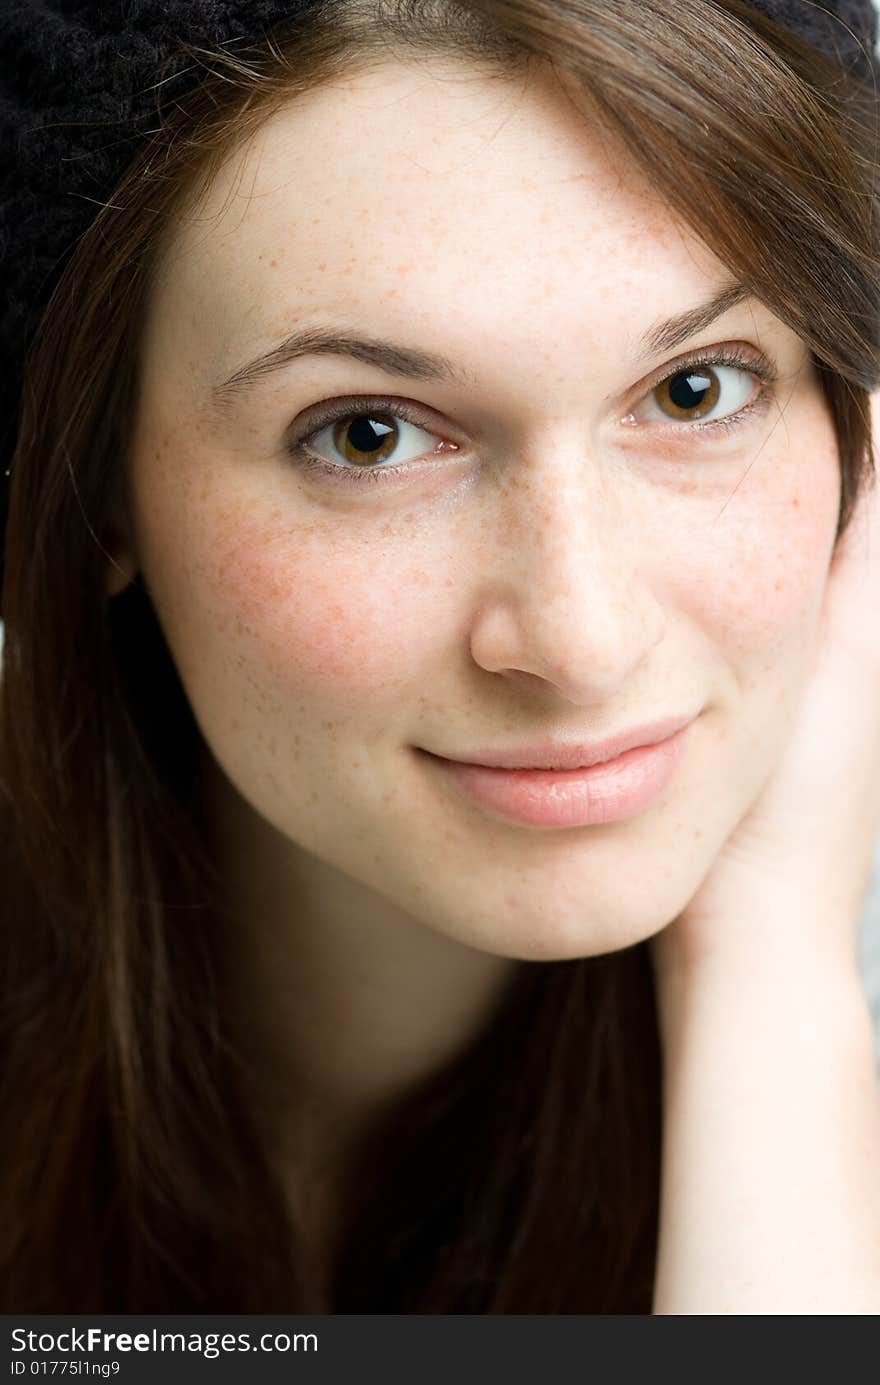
<point>777,586</point>
<point>273,264</point>
<point>796,503</point>
<point>322,267</point>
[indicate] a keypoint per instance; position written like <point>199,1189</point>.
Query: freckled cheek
<point>319,621</point>
<point>766,573</point>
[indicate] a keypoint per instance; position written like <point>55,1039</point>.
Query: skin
<point>563,574</point>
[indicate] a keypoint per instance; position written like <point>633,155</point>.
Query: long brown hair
<point>524,1178</point>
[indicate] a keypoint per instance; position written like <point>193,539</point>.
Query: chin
<point>531,931</point>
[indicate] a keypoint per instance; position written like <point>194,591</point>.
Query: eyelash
<point>759,366</point>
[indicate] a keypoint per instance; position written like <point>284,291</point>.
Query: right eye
<point>365,436</point>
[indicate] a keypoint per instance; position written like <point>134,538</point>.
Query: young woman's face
<point>541,542</point>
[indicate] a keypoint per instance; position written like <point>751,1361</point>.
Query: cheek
<point>759,584</point>
<point>310,614</point>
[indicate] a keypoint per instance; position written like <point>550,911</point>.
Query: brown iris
<point>367,437</point>
<point>690,393</point>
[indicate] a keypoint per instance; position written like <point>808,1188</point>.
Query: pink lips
<point>607,792</point>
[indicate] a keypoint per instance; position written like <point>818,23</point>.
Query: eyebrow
<point>388,356</point>
<point>415,364</point>
<point>674,331</point>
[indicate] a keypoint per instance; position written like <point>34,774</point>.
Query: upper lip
<point>559,755</point>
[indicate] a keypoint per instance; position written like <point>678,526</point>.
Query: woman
<point>445,384</point>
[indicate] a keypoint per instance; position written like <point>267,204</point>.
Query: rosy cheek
<point>309,614</point>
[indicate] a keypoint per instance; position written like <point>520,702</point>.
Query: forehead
<point>425,188</point>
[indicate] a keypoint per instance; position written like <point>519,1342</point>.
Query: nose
<point>567,599</point>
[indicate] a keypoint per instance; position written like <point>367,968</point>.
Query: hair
<point>524,1177</point>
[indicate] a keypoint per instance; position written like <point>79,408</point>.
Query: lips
<point>604,792</point>
<point>549,755</point>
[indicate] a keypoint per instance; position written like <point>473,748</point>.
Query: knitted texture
<point>82,84</point>
<point>847,29</point>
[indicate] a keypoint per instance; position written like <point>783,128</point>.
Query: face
<point>544,543</point>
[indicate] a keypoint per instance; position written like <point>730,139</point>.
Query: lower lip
<point>618,789</point>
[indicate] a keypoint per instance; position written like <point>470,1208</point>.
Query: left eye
<point>693,392</point>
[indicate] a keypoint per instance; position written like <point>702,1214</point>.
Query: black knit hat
<point>82,83</point>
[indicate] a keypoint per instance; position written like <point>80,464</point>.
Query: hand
<point>798,863</point>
